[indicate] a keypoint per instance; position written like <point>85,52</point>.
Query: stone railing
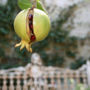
<point>35,76</point>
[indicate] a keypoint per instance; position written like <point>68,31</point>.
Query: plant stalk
<point>34,3</point>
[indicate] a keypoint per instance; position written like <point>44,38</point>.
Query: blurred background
<point>67,45</point>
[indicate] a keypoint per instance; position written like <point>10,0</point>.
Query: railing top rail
<point>36,64</point>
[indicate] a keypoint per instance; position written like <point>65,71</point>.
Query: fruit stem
<point>34,3</point>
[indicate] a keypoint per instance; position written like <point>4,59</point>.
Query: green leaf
<point>40,6</point>
<point>24,4</point>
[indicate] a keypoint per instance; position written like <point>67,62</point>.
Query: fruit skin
<point>20,25</point>
<point>41,27</point>
<point>41,24</point>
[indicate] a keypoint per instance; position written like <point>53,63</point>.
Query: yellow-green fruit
<point>41,24</point>
<point>41,27</point>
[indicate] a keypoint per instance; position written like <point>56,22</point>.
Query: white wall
<point>3,2</point>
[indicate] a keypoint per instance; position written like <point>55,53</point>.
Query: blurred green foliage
<point>53,50</point>
<point>79,62</point>
<point>81,87</point>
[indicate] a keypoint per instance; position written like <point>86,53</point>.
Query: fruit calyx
<point>23,44</point>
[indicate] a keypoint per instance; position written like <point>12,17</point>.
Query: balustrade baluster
<point>65,81</point>
<point>53,84</point>
<point>18,86</point>
<point>45,82</point>
<point>4,82</point>
<point>11,77</point>
<point>58,81</point>
<point>72,80</point>
<point>25,86</point>
<point>77,77</point>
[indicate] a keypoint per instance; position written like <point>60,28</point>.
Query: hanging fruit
<point>31,25</point>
